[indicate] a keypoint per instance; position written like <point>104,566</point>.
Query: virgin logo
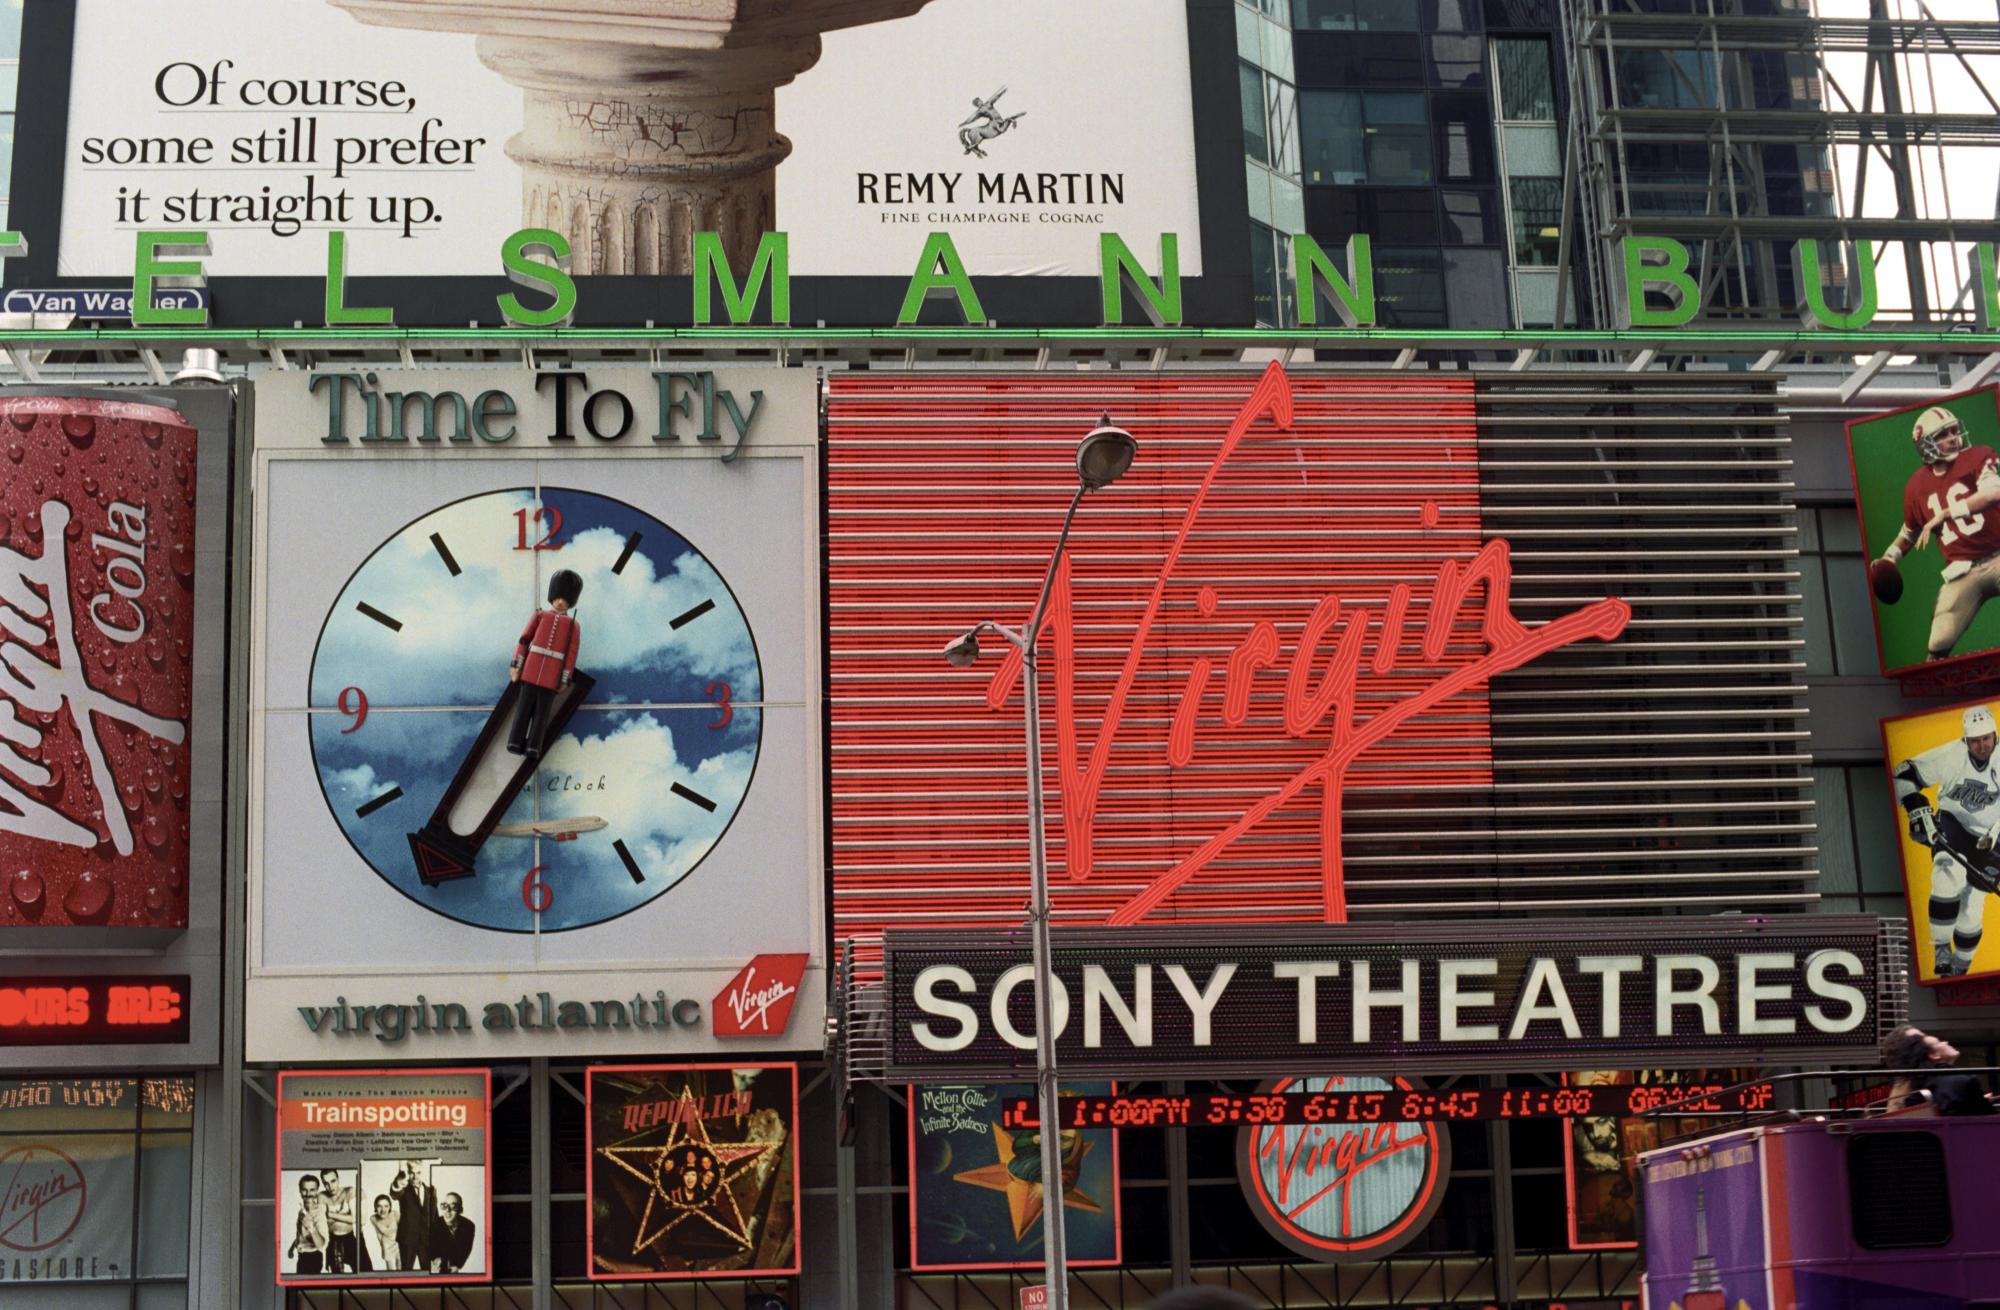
<point>758,1000</point>
<point>35,614</point>
<point>1317,1163</point>
<point>1325,669</point>
<point>41,1197</point>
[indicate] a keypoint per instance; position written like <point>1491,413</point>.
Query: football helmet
<point>1938,435</point>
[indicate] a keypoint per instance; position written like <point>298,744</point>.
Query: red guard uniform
<point>544,659</point>
<point>546,653</point>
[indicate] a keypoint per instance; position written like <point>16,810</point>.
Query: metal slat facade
<point>1663,770</point>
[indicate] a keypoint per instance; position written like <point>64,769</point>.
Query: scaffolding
<point>1723,124</point>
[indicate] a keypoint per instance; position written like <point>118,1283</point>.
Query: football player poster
<point>382,1177</point>
<point>693,1171</point>
<point>1927,485</point>
<point>976,1192</point>
<point>1946,784</point>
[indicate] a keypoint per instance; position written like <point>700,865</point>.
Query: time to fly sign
<point>1407,998</point>
<point>536,714</point>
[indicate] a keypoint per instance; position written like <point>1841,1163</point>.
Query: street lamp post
<point>1103,455</point>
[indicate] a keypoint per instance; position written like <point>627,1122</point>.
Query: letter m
<point>711,268</point>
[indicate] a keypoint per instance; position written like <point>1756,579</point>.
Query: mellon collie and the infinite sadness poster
<point>693,1170</point>
<point>976,1192</point>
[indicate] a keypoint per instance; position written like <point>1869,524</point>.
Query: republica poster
<point>976,1193</point>
<point>693,1170</point>
<point>383,1177</point>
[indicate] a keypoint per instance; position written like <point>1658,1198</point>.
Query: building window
<point>1270,276</point>
<point>1526,80</point>
<point>1366,137</point>
<point>1537,208</point>
<point>1250,94</point>
<point>1409,286</point>
<point>1354,15</point>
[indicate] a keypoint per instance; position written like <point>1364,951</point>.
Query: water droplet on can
<point>89,898</point>
<point>81,429</point>
<point>25,887</point>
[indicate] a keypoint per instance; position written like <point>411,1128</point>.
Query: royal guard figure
<point>544,661</point>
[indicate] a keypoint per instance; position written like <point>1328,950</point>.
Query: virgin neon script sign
<point>1326,669</point>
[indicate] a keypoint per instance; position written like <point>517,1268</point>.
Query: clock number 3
<point>353,703</point>
<point>721,703</point>
<point>545,514</point>
<point>536,894</point>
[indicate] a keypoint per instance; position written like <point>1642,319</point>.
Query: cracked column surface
<point>647,120</point>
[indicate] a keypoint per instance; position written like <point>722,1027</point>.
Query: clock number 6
<point>545,514</point>
<point>721,703</point>
<point>536,894</point>
<point>353,703</point>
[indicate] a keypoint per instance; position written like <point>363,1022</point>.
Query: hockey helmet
<point>1933,428</point>
<point>565,585</point>
<point>1978,722</point>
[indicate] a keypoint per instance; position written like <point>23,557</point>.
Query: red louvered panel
<point>945,498</point>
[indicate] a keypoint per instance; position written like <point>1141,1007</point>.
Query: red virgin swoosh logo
<point>758,1000</point>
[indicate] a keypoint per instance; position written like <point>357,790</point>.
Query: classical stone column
<point>647,126</point>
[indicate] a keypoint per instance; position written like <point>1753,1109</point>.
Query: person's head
<point>451,1205</point>
<point>1204,1298</point>
<point>309,1187</point>
<point>1938,435</point>
<point>382,1207</point>
<point>1977,728</point>
<point>1910,1047</point>
<point>331,1179</point>
<point>565,586</point>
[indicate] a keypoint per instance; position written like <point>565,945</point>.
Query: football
<point>1887,579</point>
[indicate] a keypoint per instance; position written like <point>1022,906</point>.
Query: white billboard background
<point>1100,89</point>
<point>324,923</point>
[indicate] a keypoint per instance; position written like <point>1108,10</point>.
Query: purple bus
<point>1894,1212</point>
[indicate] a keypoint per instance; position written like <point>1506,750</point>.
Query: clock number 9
<point>353,703</point>
<point>536,894</point>
<point>545,514</point>
<point>721,703</point>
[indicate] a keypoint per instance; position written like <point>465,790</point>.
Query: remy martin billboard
<point>426,134</point>
<point>535,738</point>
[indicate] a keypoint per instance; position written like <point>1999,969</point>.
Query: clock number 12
<point>545,514</point>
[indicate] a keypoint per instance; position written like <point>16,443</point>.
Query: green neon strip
<point>1692,337</point>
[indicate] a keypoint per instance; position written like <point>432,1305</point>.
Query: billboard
<point>1925,479</point>
<point>1601,1151</point>
<point>426,135</point>
<point>1945,786</point>
<point>383,1177</point>
<point>1415,998</point>
<point>97,575</point>
<point>535,739</point>
<point>976,1189</point>
<point>694,1170</point>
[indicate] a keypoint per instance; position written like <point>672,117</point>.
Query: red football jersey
<point>1964,536</point>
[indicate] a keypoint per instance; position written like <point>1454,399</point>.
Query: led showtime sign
<point>1410,997</point>
<point>94,1011</point>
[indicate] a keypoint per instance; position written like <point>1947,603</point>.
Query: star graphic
<point>1024,1199</point>
<point>717,1207</point>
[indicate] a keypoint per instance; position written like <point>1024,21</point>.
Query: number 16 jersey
<point>1962,537</point>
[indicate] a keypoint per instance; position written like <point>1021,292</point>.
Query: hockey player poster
<point>382,1177</point>
<point>1927,485</point>
<point>1946,784</point>
<point>692,1170</point>
<point>976,1192</point>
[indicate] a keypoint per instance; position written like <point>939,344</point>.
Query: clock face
<point>635,785</point>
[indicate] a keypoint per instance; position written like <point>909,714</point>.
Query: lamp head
<point>1104,454</point>
<point>963,652</point>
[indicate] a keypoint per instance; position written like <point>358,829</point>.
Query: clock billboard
<point>535,736</point>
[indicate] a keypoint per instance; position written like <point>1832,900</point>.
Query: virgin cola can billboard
<point>97,571</point>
